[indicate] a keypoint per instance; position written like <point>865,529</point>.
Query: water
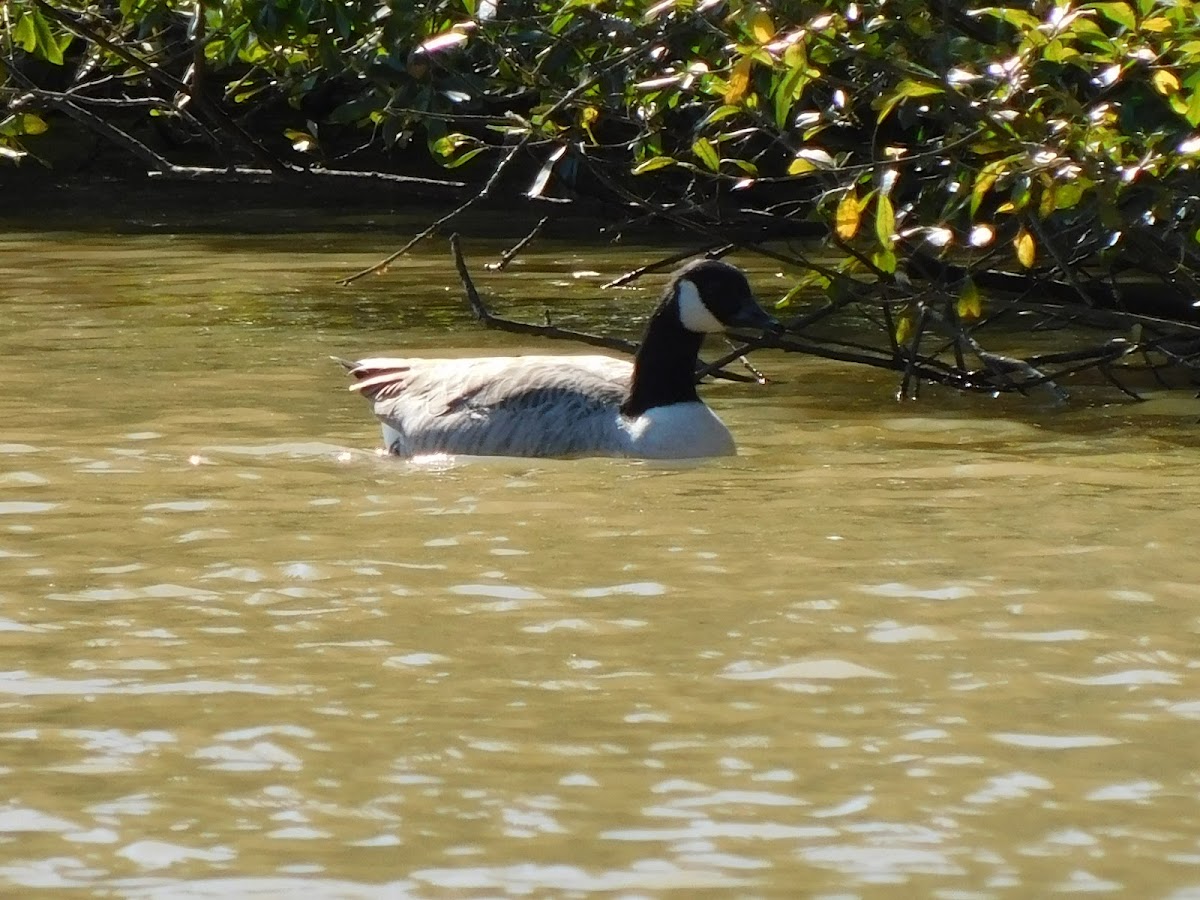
<point>943,649</point>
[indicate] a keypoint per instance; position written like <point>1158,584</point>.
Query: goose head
<point>706,296</point>
<point>712,296</point>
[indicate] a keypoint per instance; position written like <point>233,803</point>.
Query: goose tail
<point>376,379</point>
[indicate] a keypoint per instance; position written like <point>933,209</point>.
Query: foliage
<point>965,161</point>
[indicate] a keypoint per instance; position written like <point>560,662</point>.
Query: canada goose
<point>559,406</point>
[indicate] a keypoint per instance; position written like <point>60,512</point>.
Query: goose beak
<point>753,316</point>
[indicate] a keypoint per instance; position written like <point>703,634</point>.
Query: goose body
<point>570,406</point>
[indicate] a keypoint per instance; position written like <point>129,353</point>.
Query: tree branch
<point>566,99</point>
<point>490,320</point>
<point>510,254</point>
<point>156,74</point>
<point>553,332</point>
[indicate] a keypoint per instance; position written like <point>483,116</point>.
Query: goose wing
<point>498,406</point>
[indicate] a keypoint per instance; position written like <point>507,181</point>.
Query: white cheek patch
<point>693,314</point>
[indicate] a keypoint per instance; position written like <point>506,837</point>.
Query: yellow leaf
<point>983,183</point>
<point>1006,207</point>
<point>904,325</point>
<point>1165,82</point>
<point>739,80</point>
<point>1156,23</point>
<point>1047,204</point>
<point>885,221</point>
<point>849,216</point>
<point>707,153</point>
<point>588,116</point>
<point>1025,247</point>
<point>761,26</point>
<point>970,305</point>
<point>800,165</point>
<point>658,162</point>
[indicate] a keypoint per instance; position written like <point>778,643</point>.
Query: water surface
<point>939,649</point>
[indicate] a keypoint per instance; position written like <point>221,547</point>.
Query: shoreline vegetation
<point>935,180</point>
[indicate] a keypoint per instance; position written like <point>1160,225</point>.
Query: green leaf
<point>657,162</point>
<point>810,159</point>
<point>464,158</point>
<point>790,87</point>
<point>707,154</point>
<point>1067,194</point>
<point>25,34</point>
<point>1192,113</point>
<point>1120,13</point>
<point>302,141</point>
<point>790,297</point>
<point>1057,52</point>
<point>1018,18</point>
<point>904,90</point>
<point>985,180</point>
<point>21,124</point>
<point>721,112</point>
<point>47,42</point>
<point>449,144</point>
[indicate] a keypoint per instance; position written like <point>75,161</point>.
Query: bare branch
<point>156,74</point>
<point>712,251</point>
<point>565,100</point>
<point>508,255</point>
<point>485,316</point>
<point>90,120</point>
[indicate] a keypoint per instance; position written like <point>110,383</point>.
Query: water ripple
<point>26,684</point>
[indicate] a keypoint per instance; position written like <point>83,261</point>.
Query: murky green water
<point>946,649</point>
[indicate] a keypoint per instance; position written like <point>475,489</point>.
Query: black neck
<point>664,370</point>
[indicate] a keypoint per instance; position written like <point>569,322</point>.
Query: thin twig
<point>566,99</point>
<point>156,74</point>
<point>936,372</point>
<point>710,231</point>
<point>1106,370</point>
<point>758,376</point>
<point>90,120</point>
<point>382,265</point>
<point>489,320</point>
<point>713,251</point>
<point>914,349</point>
<point>797,323</point>
<point>245,173</point>
<point>508,255</point>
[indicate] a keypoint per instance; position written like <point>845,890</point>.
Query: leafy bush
<point>964,162</point>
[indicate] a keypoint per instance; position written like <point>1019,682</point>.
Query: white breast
<point>678,431</point>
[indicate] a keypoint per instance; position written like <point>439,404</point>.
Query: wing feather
<point>510,406</point>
